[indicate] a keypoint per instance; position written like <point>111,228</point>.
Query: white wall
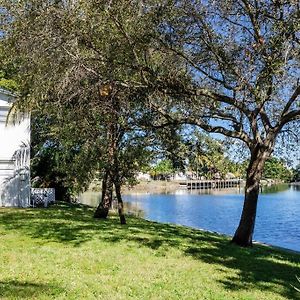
<point>11,136</point>
<point>14,182</point>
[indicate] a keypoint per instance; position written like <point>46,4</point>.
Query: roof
<point>7,93</point>
<point>6,97</point>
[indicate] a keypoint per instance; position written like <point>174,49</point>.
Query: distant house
<point>143,176</point>
<point>14,156</point>
<point>180,176</point>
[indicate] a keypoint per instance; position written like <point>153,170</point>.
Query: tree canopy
<point>277,169</point>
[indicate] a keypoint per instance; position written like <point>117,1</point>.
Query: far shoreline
<point>172,186</point>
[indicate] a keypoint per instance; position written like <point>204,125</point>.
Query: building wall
<point>14,156</point>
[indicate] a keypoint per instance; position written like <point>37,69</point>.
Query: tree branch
<point>291,101</point>
<point>177,120</point>
<point>198,68</point>
<point>289,117</point>
<point>224,99</point>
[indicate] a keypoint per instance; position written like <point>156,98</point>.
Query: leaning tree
<point>85,60</point>
<point>244,58</point>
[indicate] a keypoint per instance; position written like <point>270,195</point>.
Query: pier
<point>210,184</point>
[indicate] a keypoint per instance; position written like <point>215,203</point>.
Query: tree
<point>206,156</point>
<point>7,73</point>
<point>162,170</point>
<point>243,57</point>
<point>126,153</point>
<point>61,157</point>
<point>276,169</point>
<point>80,60</point>
<point>296,174</point>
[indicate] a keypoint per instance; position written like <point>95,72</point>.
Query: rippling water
<point>278,214</point>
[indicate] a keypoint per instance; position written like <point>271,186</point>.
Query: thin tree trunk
<point>244,233</point>
<point>106,199</point>
<point>107,183</point>
<point>120,203</point>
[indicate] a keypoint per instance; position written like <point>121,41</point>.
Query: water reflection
<point>93,199</point>
<point>135,209</point>
<point>90,198</point>
<point>271,189</point>
<point>296,187</point>
<point>236,190</point>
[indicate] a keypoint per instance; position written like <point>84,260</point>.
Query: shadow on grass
<point>13,289</point>
<point>258,268</point>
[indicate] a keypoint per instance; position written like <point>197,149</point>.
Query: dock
<point>210,184</point>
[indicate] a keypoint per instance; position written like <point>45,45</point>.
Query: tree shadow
<point>257,268</point>
<point>13,289</point>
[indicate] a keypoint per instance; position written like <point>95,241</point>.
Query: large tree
<point>85,63</point>
<point>244,58</point>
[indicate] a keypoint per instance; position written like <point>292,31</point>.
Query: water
<point>278,214</point>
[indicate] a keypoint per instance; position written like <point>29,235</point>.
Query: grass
<point>63,253</point>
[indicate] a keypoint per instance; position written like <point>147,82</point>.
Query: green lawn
<point>63,253</point>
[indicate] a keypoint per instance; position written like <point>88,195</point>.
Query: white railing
<point>42,197</point>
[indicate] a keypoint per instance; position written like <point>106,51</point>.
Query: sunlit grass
<point>63,253</point>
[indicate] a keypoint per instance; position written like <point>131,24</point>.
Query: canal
<point>278,215</point>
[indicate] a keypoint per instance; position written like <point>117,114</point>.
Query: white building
<point>14,156</point>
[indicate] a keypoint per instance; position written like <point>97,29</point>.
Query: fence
<point>42,197</point>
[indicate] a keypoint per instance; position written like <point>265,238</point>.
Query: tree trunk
<point>106,199</point>
<point>107,183</point>
<point>120,203</point>
<point>244,233</point>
